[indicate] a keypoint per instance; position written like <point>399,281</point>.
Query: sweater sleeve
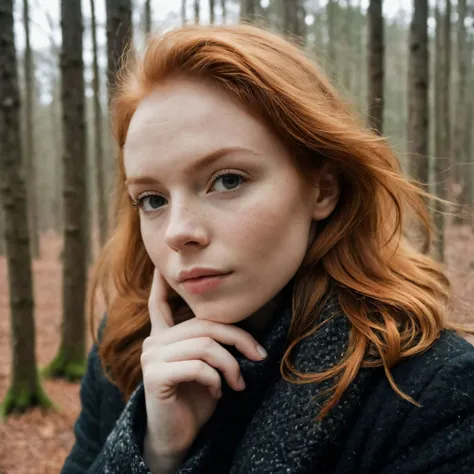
<point>122,450</point>
<point>438,438</point>
<point>87,427</point>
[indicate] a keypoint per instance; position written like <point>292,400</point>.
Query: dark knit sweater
<point>270,427</point>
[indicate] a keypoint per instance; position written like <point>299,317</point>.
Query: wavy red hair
<point>394,297</point>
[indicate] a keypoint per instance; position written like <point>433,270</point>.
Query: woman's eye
<point>228,181</point>
<point>151,203</point>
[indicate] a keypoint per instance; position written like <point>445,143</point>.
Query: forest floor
<point>38,443</point>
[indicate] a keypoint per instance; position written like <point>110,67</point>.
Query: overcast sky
<point>162,9</point>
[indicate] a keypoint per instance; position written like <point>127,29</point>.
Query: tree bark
<point>331,15</point>
<point>441,116</point>
<point>347,66</point>
<point>98,137</point>
<point>224,12</point>
<point>248,10</point>
<point>25,389</point>
<point>70,359</point>
<point>2,229</point>
<point>119,37</point>
<point>462,125</point>
<point>147,17</point>
<point>293,20</point>
<point>29,142</point>
<point>183,12</point>
<point>212,14</point>
<point>418,120</point>
<point>376,72</point>
<point>197,11</point>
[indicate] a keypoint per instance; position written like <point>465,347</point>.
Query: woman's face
<point>217,191</point>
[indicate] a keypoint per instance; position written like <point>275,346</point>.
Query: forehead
<point>181,103</point>
<point>185,119</point>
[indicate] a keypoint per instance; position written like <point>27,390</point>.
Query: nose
<point>186,229</point>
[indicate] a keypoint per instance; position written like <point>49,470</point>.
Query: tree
<point>248,10</point>
<point>25,389</point>
<point>224,12</point>
<point>293,22</point>
<point>2,229</point>
<point>119,36</point>
<point>147,17</point>
<point>70,359</point>
<point>183,12</point>
<point>348,41</point>
<point>212,14</point>
<point>98,136</point>
<point>29,135</point>
<point>376,53</point>
<point>331,16</point>
<point>462,129</point>
<point>197,7</point>
<point>418,80</point>
<point>442,117</point>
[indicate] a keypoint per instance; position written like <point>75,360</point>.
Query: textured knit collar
<point>270,427</point>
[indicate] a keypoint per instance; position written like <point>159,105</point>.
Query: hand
<point>180,364</point>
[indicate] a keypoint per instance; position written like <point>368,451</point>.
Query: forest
<point>405,66</point>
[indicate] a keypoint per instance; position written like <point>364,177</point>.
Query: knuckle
<point>201,367</point>
<point>208,344</point>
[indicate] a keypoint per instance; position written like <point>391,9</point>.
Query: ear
<point>326,192</point>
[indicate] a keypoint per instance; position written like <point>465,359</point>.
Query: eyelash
<point>139,200</point>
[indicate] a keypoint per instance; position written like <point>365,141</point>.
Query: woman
<point>266,313</point>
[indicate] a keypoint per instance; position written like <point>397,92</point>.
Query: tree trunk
<point>441,115</point>
<point>25,389</point>
<point>119,37</point>
<point>376,71</point>
<point>2,229</point>
<point>293,20</point>
<point>147,17</point>
<point>212,14</point>
<point>197,11</point>
<point>418,80</point>
<point>331,15</point>
<point>183,12</point>
<point>248,10</point>
<point>29,141</point>
<point>98,137</point>
<point>347,66</point>
<point>70,359</point>
<point>462,125</point>
<point>224,12</point>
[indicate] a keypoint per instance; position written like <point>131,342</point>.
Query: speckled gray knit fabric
<point>270,427</point>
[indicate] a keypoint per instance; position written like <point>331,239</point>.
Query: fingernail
<point>261,350</point>
<point>241,383</point>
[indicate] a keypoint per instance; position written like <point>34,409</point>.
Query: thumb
<point>158,307</point>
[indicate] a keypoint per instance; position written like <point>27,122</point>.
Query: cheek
<point>275,230</point>
<point>152,240</point>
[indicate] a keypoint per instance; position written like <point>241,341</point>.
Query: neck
<point>259,321</point>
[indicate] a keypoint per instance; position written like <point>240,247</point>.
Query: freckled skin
<point>258,230</point>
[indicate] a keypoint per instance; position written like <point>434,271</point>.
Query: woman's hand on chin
<point>181,361</point>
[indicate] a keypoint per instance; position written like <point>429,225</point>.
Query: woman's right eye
<point>151,202</point>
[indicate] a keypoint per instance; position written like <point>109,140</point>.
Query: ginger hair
<point>394,297</point>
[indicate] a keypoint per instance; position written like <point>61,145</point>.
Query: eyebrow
<point>206,160</point>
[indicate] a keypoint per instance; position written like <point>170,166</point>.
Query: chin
<point>225,311</point>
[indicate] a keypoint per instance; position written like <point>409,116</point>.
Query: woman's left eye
<point>228,182</point>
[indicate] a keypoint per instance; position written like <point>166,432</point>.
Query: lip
<point>202,284</point>
<point>198,273</point>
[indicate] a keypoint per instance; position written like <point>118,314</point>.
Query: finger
<point>169,375</point>
<point>222,333</point>
<point>158,307</point>
<point>209,351</point>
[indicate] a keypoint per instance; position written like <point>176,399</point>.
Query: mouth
<point>204,283</point>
